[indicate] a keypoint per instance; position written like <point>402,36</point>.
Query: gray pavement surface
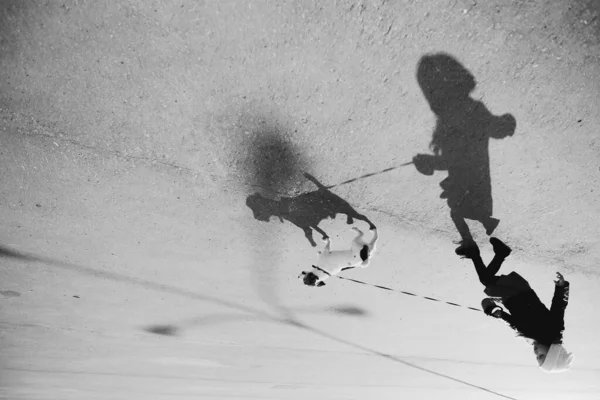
<point>133,132</point>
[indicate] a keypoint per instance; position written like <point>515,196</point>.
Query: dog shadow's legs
<point>309,236</point>
<point>321,231</point>
<point>359,217</point>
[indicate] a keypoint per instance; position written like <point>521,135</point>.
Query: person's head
<point>540,350</point>
<point>552,358</point>
<point>443,80</point>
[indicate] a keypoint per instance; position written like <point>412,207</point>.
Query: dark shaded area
<point>460,141</point>
<point>273,160</point>
<point>305,211</point>
<point>350,310</point>
<point>239,307</point>
<point>13,14</point>
<point>165,330</point>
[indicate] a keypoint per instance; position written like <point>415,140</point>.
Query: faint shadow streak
<point>10,253</point>
<point>272,160</point>
<point>117,277</point>
<point>174,329</point>
<point>185,293</point>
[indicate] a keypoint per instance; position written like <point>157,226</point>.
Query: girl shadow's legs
<point>489,223</point>
<point>463,230</point>
<point>467,241</point>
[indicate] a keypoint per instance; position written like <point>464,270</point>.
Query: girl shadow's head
<point>444,81</point>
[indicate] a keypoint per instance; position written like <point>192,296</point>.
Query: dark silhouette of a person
<point>460,142</point>
<point>305,211</point>
<point>512,300</point>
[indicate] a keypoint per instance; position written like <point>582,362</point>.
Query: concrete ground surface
<point>132,133</point>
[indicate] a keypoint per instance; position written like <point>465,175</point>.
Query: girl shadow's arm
<point>502,126</point>
<point>428,163</point>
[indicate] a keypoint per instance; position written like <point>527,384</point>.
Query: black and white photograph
<point>299,199</point>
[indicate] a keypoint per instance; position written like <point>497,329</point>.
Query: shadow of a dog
<point>306,210</point>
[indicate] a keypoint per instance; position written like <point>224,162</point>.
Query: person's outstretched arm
<point>494,310</point>
<point>560,301</point>
<point>499,313</point>
<point>503,126</point>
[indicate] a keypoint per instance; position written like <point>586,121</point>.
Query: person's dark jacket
<point>530,317</point>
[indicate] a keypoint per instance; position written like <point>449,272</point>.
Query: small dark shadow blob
<point>306,210</point>
<point>10,253</point>
<point>165,330</point>
<point>352,311</point>
<point>9,293</point>
<point>273,162</point>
